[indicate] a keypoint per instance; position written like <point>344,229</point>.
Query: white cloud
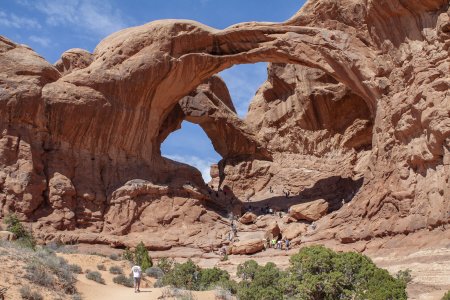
<point>203,165</point>
<point>44,42</point>
<point>14,21</point>
<point>98,17</point>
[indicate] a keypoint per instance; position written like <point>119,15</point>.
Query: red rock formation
<point>355,111</point>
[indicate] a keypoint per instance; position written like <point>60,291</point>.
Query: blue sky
<point>51,27</point>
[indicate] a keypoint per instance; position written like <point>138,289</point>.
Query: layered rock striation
<point>355,111</point>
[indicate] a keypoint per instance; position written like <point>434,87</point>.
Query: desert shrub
<point>43,268</point>
<point>114,256</point>
<point>185,275</point>
<point>404,275</point>
<point>101,267</point>
<point>95,276</point>
<point>24,237</point>
<point>128,255</point>
<point>28,294</point>
<point>320,273</point>
<point>211,277</point>
<point>176,293</point>
<point>154,272</point>
<point>124,280</point>
<point>75,269</point>
<point>191,277</point>
<point>141,257</point>
<point>165,264</point>
<point>259,282</point>
<point>221,293</point>
<point>115,270</point>
<point>37,273</point>
<point>77,297</point>
<point>446,296</point>
<point>59,247</point>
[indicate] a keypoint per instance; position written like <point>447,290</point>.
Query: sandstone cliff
<point>355,111</point>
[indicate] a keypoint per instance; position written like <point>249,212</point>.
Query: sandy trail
<point>91,290</point>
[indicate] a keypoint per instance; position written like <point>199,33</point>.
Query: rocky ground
<point>430,268</point>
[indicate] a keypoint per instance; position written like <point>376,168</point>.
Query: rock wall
<point>355,111</point>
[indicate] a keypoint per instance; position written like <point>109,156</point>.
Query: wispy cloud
<point>97,17</point>
<point>201,164</point>
<point>43,41</point>
<point>14,21</point>
<point>243,81</point>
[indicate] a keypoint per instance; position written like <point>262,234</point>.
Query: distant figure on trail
<point>287,243</point>
<point>137,272</point>
<point>287,193</point>
<point>279,244</point>
<point>270,189</point>
<point>274,243</point>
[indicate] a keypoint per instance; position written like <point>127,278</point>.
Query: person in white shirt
<point>137,272</point>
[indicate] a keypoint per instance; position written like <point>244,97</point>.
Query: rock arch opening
<point>243,81</point>
<point>190,145</point>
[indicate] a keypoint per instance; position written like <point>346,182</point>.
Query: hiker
<point>137,272</point>
<point>270,210</point>
<point>274,243</point>
<point>279,244</point>
<point>270,189</point>
<point>287,243</point>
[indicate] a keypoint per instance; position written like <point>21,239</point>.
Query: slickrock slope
<point>355,111</point>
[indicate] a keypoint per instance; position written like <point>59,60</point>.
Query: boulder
<point>7,236</point>
<point>247,246</point>
<point>294,230</point>
<point>248,218</point>
<point>310,211</point>
<point>273,230</point>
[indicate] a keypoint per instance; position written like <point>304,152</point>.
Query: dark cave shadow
<point>335,190</point>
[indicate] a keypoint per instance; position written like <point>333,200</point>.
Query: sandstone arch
<point>95,126</point>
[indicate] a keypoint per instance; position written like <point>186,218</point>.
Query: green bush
<point>141,257</point>
<point>320,273</point>
<point>101,267</point>
<point>26,293</point>
<point>127,255</point>
<point>446,296</point>
<point>189,276</point>
<point>209,278</point>
<point>124,280</point>
<point>24,237</point>
<point>115,270</point>
<point>95,276</point>
<point>259,282</point>
<point>183,275</point>
<point>404,275</point>
<point>165,264</point>
<point>154,272</point>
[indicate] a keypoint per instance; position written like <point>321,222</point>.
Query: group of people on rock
<point>277,243</point>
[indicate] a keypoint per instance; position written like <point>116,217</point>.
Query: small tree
<point>127,254</point>
<point>446,296</point>
<point>165,264</point>
<point>141,257</point>
<point>24,237</point>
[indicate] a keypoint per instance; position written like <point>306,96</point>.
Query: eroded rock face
<point>311,211</point>
<point>355,111</point>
